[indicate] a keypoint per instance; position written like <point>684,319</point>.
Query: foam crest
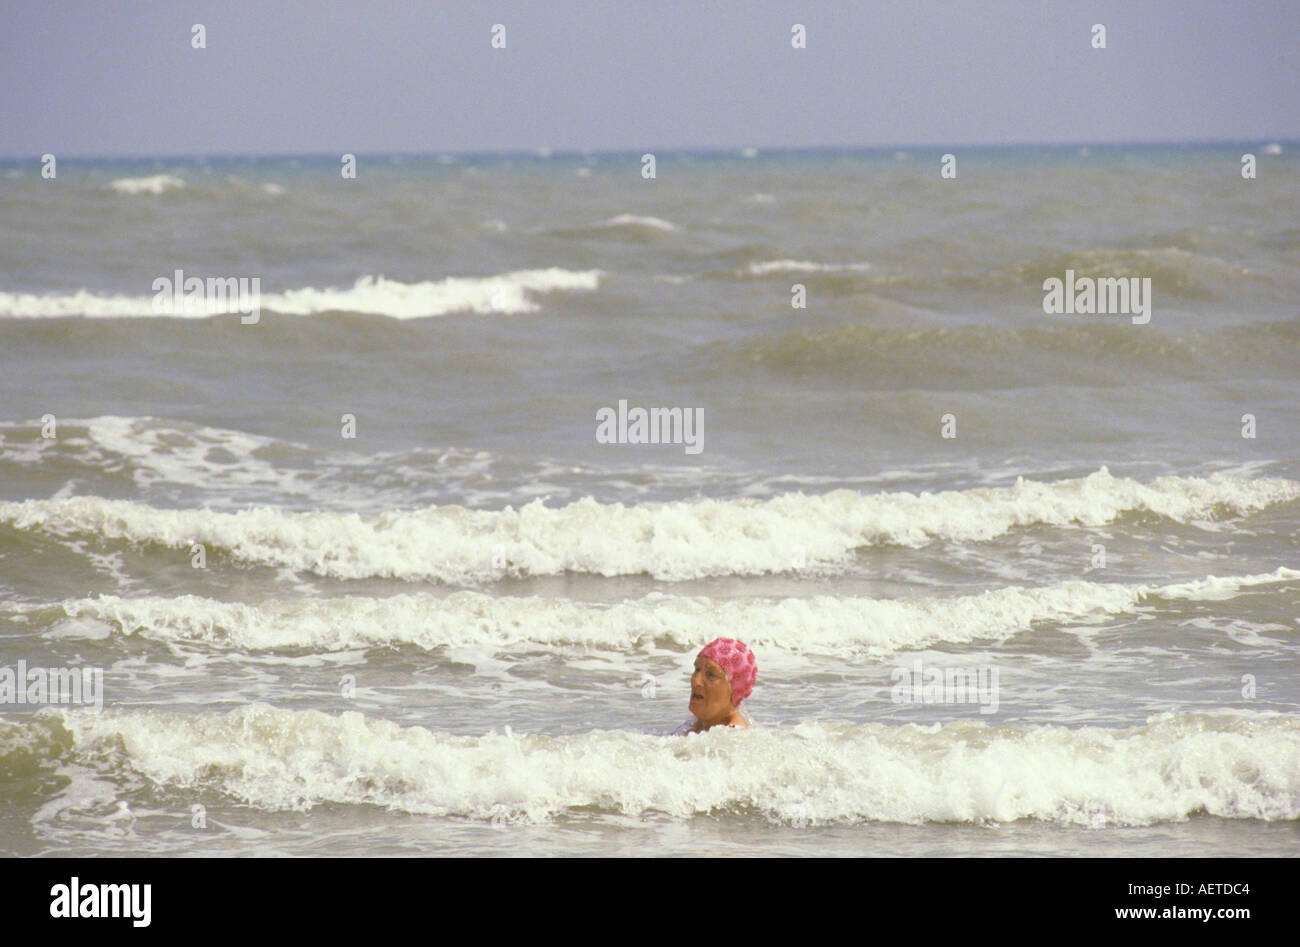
<point>670,541</point>
<point>1217,588</point>
<point>197,455</point>
<point>818,625</point>
<point>767,267</point>
<point>1233,767</point>
<point>633,220</point>
<point>507,293</point>
<point>157,184</point>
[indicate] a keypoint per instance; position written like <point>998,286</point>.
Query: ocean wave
<point>508,293</point>
<point>1173,271</point>
<point>635,228</point>
<point>1174,767</point>
<point>1218,588</point>
<point>768,267</point>
<point>147,452</point>
<point>634,220</point>
<point>157,184</point>
<point>154,450</point>
<point>952,266</point>
<point>670,541</point>
<point>954,358</point>
<point>817,625</point>
<point>156,455</point>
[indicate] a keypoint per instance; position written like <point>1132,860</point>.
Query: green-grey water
<point>468,627</point>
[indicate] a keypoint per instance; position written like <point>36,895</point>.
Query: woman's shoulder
<point>693,726</point>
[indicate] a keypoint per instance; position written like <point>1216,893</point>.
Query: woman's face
<point>710,691</point>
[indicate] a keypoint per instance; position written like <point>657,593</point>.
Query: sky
<point>121,78</point>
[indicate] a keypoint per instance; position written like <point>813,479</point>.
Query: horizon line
<point>545,153</point>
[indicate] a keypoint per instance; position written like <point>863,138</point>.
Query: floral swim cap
<point>737,662</point>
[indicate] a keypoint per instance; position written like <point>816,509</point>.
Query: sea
<point>384,559</point>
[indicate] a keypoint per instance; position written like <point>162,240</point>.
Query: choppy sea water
<point>468,628</point>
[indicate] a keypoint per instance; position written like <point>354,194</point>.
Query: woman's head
<point>725,672</point>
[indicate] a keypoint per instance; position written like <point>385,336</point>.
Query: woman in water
<point>725,672</point>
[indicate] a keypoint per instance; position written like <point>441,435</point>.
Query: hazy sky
<point>121,78</point>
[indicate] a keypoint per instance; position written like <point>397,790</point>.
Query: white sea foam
<point>1231,766</point>
<point>818,625</point>
<point>1218,588</point>
<point>158,184</point>
<point>632,220</point>
<point>190,454</point>
<point>670,541</point>
<point>82,303</point>
<point>506,293</point>
<point>766,267</point>
<point>235,467</point>
<point>158,451</point>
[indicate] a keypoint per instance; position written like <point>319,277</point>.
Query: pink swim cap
<point>737,662</point>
